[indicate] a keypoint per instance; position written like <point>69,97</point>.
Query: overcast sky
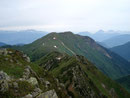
<point>65,15</point>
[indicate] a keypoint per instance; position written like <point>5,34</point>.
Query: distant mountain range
<point>108,62</point>
<point>2,44</point>
<point>123,50</point>
<point>101,35</point>
<point>18,37</point>
<point>117,40</point>
<point>109,38</point>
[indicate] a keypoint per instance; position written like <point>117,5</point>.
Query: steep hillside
<point>123,50</point>
<point>80,77</point>
<point>117,40</point>
<point>21,79</point>
<point>108,62</point>
<point>125,82</point>
<point>58,76</point>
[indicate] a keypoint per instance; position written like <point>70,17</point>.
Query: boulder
<point>33,80</point>
<point>36,92</point>
<point>26,73</point>
<point>15,85</point>
<point>4,78</point>
<point>48,94</point>
<point>28,96</point>
<point>3,52</point>
<point>113,93</point>
<point>47,83</point>
<point>26,57</point>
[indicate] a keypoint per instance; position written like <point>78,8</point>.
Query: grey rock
<point>3,51</point>
<point>15,85</point>
<point>3,86</point>
<point>112,93</point>
<point>28,96</point>
<point>29,72</point>
<point>6,59</point>
<point>33,80</point>
<point>10,52</point>
<point>48,94</point>
<point>26,73</point>
<point>36,92</point>
<point>47,83</point>
<point>4,78</point>
<point>11,61</point>
<point>26,57</point>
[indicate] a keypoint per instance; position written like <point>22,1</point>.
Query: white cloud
<point>61,15</point>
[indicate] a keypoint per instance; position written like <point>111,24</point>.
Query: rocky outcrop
<point>28,96</point>
<point>33,81</point>
<point>26,57</point>
<point>28,72</point>
<point>6,84</point>
<point>63,77</point>
<point>3,52</point>
<point>4,78</point>
<point>113,93</point>
<point>36,92</point>
<point>48,94</point>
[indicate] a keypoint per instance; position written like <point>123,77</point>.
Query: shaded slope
<point>125,82</point>
<point>123,50</point>
<point>117,40</point>
<point>80,77</point>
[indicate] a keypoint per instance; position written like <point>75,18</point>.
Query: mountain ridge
<point>65,67</point>
<point>107,61</point>
<point>55,75</point>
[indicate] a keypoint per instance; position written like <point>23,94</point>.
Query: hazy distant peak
<point>100,31</point>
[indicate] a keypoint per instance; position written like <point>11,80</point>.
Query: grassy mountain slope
<point>14,67</point>
<point>125,82</point>
<point>123,50</point>
<point>107,61</point>
<point>80,77</point>
<point>58,72</point>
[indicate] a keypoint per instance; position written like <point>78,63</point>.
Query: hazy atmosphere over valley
<point>64,49</point>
